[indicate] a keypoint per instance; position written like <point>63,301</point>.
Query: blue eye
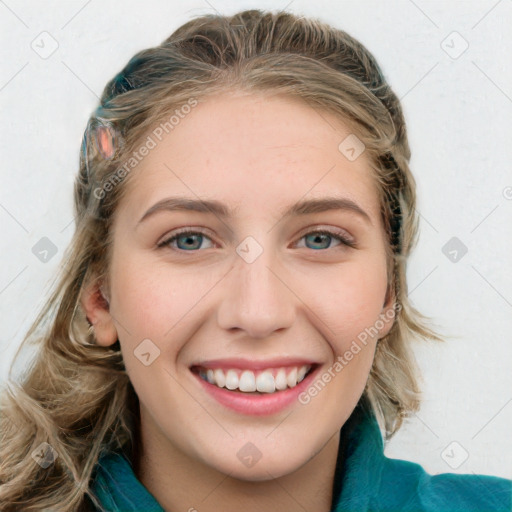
<point>189,240</point>
<point>320,237</point>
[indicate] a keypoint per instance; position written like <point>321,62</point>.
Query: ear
<point>97,309</point>
<point>388,313</point>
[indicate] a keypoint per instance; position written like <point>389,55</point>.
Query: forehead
<point>252,152</point>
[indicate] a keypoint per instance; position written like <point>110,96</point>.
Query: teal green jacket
<point>365,480</point>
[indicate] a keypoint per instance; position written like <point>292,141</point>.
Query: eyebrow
<point>304,207</point>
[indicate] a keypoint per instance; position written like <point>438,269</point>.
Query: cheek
<point>152,298</point>
<point>349,300</point>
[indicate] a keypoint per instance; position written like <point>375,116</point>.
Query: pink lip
<point>258,404</point>
<point>247,364</point>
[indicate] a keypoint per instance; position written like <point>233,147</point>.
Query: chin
<point>252,464</point>
<point>260,472</point>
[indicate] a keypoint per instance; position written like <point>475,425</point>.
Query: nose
<point>257,298</point>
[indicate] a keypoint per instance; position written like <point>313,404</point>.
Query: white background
<point>458,109</point>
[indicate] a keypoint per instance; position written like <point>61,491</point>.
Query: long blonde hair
<point>75,395</point>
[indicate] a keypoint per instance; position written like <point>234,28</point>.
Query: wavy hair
<point>75,395</point>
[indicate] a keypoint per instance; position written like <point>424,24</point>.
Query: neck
<point>190,485</point>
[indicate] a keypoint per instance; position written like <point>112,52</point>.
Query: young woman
<point>231,329</point>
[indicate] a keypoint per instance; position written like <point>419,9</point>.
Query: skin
<point>299,298</point>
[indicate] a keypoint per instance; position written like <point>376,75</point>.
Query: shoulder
<point>407,486</point>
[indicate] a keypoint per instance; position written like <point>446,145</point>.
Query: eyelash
<point>188,231</point>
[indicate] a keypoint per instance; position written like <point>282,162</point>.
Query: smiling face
<point>254,297</point>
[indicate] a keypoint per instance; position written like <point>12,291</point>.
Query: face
<point>233,335</point>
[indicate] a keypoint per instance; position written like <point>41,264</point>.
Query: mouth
<point>270,380</point>
<point>255,388</point>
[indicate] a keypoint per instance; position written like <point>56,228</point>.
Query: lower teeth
<point>244,392</point>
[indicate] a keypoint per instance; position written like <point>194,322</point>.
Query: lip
<point>248,364</point>
<point>264,404</point>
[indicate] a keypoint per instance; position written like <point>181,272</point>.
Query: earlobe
<point>96,307</point>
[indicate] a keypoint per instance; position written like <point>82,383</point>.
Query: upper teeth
<point>267,381</point>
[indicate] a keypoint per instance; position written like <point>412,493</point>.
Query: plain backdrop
<point>449,62</point>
